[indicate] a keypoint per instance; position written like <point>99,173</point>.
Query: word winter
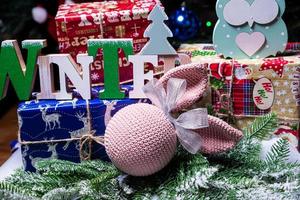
<point>22,76</point>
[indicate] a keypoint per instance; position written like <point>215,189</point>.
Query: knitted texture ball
<point>140,140</point>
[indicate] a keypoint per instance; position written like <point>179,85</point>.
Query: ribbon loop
<point>190,140</point>
<point>186,122</point>
<point>86,142</point>
<point>193,119</point>
<point>177,88</point>
<point>155,93</point>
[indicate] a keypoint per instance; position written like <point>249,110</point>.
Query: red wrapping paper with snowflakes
<point>76,23</point>
<point>246,89</point>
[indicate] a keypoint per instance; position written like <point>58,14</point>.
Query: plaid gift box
<point>242,98</point>
<point>245,89</point>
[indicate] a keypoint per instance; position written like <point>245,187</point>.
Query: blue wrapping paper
<point>41,122</point>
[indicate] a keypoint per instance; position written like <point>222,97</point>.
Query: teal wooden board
<point>234,36</point>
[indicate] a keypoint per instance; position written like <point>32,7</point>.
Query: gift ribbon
<point>186,122</point>
<point>225,99</point>
<point>89,137</point>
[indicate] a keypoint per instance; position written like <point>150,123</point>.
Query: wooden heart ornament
<point>250,43</point>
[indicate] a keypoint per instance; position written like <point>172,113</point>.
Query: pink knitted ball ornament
<point>140,140</point>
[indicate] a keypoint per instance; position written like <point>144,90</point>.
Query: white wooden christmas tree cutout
<point>158,32</point>
<point>158,44</point>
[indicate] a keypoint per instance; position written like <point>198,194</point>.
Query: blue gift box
<point>56,129</point>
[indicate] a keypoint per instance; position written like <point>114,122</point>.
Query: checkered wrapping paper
<point>241,96</point>
<point>243,103</point>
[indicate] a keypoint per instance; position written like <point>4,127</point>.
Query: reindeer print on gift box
<point>250,28</point>
<point>73,102</point>
<point>51,149</point>
<point>51,120</point>
<point>110,106</point>
<point>84,130</point>
<point>25,149</point>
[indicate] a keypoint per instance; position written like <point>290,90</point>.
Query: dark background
<point>16,23</point>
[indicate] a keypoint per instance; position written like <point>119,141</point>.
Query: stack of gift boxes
<point>240,89</point>
<point>55,129</point>
<point>244,89</point>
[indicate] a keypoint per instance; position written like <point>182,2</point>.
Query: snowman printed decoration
<point>250,28</point>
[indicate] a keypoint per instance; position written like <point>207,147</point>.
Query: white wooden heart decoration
<point>250,43</point>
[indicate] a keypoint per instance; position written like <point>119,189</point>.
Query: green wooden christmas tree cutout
<point>158,32</point>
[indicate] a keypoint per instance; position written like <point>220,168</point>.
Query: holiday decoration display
<point>184,23</point>
<point>141,139</point>
<point>80,74</point>
<point>157,128</point>
<point>76,23</point>
<point>61,127</point>
<point>250,29</point>
<point>236,174</point>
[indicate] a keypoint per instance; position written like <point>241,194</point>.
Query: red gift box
<point>76,23</point>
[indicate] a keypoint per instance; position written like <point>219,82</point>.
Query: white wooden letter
<point>46,79</point>
<point>139,75</point>
<point>67,67</point>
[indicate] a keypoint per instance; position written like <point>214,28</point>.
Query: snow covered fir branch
<point>237,174</point>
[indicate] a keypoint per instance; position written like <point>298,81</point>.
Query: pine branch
<point>262,127</point>
<point>246,153</point>
<point>10,191</point>
<point>104,177</point>
<point>277,169</point>
<point>11,188</point>
<point>278,154</point>
<point>62,193</point>
<point>184,175</point>
<point>15,196</point>
<point>238,174</point>
<point>86,169</point>
<point>35,184</point>
<point>106,185</point>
